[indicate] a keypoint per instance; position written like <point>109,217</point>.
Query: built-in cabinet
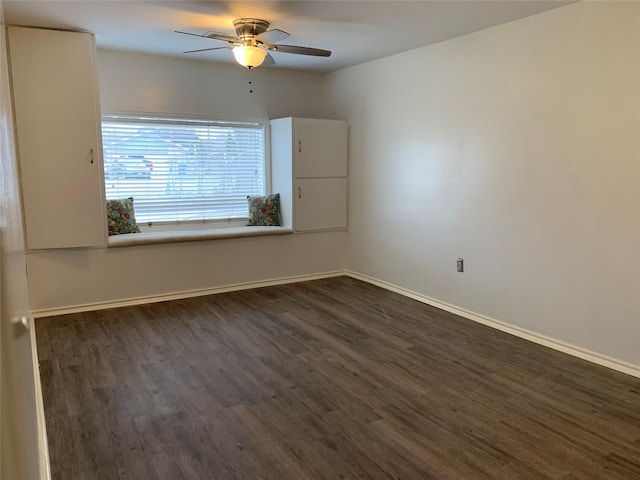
<point>57,121</point>
<point>309,170</point>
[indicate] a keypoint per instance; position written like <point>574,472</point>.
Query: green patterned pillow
<point>264,211</point>
<point>121,217</point>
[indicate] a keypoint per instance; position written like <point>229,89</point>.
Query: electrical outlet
<point>460,265</point>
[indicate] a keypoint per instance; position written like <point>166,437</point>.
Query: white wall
<point>153,84</point>
<point>517,149</point>
<point>18,429</point>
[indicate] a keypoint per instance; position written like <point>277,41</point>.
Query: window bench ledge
<point>149,238</point>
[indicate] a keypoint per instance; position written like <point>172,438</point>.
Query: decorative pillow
<point>121,217</point>
<point>264,211</point>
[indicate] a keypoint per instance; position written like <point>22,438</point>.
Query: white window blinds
<point>183,170</point>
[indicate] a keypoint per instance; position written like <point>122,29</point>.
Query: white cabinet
<point>320,203</point>
<point>309,170</point>
<point>320,148</point>
<point>57,120</point>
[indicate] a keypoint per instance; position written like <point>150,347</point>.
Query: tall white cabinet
<point>309,170</point>
<point>57,120</point>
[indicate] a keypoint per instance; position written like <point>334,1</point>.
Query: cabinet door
<point>320,148</point>
<point>320,204</point>
<point>58,136</point>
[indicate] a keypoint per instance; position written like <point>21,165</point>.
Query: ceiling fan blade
<point>192,34</point>
<point>316,52</point>
<point>268,60</point>
<point>272,36</point>
<point>205,49</point>
<point>212,35</point>
<point>221,36</point>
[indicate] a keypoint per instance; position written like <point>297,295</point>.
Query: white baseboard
<point>44,469</point>
<point>576,351</point>
<point>579,352</point>
<point>88,307</point>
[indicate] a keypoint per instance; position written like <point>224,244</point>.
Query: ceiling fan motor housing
<point>249,28</point>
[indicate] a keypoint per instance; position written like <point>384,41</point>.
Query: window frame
<point>184,119</point>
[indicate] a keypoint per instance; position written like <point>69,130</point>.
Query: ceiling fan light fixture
<point>249,56</point>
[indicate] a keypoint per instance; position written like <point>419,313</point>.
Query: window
<point>181,170</point>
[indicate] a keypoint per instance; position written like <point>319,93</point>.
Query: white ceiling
<point>355,31</point>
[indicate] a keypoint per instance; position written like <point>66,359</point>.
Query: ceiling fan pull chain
<point>250,80</point>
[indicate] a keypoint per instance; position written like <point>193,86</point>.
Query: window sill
<point>176,236</point>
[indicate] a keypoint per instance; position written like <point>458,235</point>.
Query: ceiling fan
<point>253,41</point>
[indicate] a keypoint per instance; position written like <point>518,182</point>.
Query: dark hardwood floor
<point>330,379</point>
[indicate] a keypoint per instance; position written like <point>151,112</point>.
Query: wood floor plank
<point>329,379</point>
